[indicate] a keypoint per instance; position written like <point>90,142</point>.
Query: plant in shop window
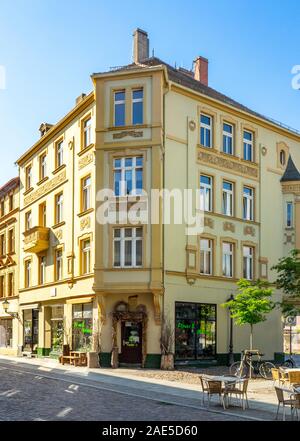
<point>167,345</point>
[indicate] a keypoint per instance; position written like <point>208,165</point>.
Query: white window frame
<point>28,265</point>
<point>87,132</point>
<point>117,103</point>
<point>137,100</point>
<point>227,259</point>
<point>248,253</point>
<point>248,145</point>
<point>28,175</point>
<point>59,208</point>
<point>248,204</point>
<point>86,256</point>
<point>59,153</point>
<point>133,168</point>
<point>42,270</point>
<point>206,128</point>
<point>291,223</point>
<point>204,252</point>
<point>43,166</point>
<point>58,264</point>
<point>28,220</point>
<point>227,199</point>
<point>122,239</point>
<point>86,193</point>
<point>226,137</point>
<point>206,191</point>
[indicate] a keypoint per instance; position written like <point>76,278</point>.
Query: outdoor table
<point>224,379</point>
<point>81,356</point>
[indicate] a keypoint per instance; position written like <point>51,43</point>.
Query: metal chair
<point>281,400</point>
<point>239,389</point>
<point>203,378</point>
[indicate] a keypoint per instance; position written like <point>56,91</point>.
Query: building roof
<point>291,172</point>
<point>185,78</point>
<point>10,185</point>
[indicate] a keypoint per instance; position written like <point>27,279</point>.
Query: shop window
<point>31,329</point>
<point>5,333</point>
<point>195,331</point>
<point>57,328</point>
<point>82,327</point>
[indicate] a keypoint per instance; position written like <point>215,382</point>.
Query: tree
<point>251,304</point>
<point>288,279</point>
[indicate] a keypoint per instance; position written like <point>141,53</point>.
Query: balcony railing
<point>36,239</point>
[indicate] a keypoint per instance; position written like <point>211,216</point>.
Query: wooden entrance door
<point>131,342</point>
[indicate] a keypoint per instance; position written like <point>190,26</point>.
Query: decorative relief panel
<point>291,188</point>
<point>87,159</point>
<point>249,231</point>
<point>59,234</point>
<point>229,226</point>
<point>226,163</point>
<point>85,223</point>
<point>208,222</point>
<point>132,133</point>
<point>289,238</point>
<point>48,186</point>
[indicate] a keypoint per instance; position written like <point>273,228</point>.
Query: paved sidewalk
<point>262,398</point>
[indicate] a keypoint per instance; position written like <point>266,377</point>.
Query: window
<point>43,166</point>
<point>137,106</point>
<point>119,108</point>
<point>11,241</point>
<point>27,273</point>
<point>59,153</point>
<point>87,132</point>
<point>227,198</point>
<point>42,270</point>
<point>11,202</point>
<point>248,263</point>
<point>2,286</point>
<point>227,259</point>
<point>2,245</point>
<point>28,177</point>
<point>289,215</point>
<point>195,331</point>
<point>86,193</point>
<point>59,201</point>
<point>128,176</point>
<point>128,247</point>
<point>28,221</point>
<point>248,203</point>
<point>43,214</point>
<point>85,256</point>
<point>206,256</point>
<point>282,157</point>
<point>228,138</point>
<point>2,207</point>
<point>82,332</point>
<point>205,193</point>
<point>58,265</point>
<point>5,333</point>
<point>206,130</point>
<point>10,292</point>
<point>248,146</point>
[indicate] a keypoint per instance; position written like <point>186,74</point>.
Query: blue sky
<point>49,48</point>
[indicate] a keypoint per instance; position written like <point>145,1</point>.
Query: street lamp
<point>5,306</point>
<point>230,353</point>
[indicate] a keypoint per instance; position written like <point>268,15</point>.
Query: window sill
<point>84,213</point>
<point>85,149</point>
<point>29,190</point>
<point>58,169</point>
<point>60,224</point>
<point>42,180</point>
<point>128,127</point>
<point>246,161</point>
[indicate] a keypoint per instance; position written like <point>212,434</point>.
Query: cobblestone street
<point>29,396</point>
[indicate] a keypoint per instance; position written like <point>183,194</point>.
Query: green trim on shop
<point>43,352</point>
<point>153,361</point>
<point>278,357</point>
<point>105,359</point>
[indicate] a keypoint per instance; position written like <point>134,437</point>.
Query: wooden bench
<point>71,359</point>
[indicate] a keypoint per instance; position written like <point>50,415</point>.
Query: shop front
<point>195,331</point>
<point>82,327</point>
<point>30,330</point>
<point>6,333</point>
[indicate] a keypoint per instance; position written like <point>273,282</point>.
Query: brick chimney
<point>140,46</point>
<point>201,70</point>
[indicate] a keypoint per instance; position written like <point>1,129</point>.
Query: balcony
<point>36,239</point>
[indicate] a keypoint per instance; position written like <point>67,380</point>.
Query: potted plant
<point>166,345</point>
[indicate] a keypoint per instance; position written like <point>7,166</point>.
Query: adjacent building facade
<point>91,284</point>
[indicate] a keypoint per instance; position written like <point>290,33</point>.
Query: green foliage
<point>252,302</point>
<point>288,279</point>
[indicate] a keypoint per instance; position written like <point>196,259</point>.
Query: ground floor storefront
<point>9,328</point>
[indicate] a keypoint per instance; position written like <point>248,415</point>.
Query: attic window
<point>282,157</point>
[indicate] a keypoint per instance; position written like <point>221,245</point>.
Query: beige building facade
<point>150,126</point>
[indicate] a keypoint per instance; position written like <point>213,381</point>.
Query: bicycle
<point>290,362</point>
<point>244,367</point>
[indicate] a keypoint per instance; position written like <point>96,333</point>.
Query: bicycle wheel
<point>237,371</point>
<point>265,370</point>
